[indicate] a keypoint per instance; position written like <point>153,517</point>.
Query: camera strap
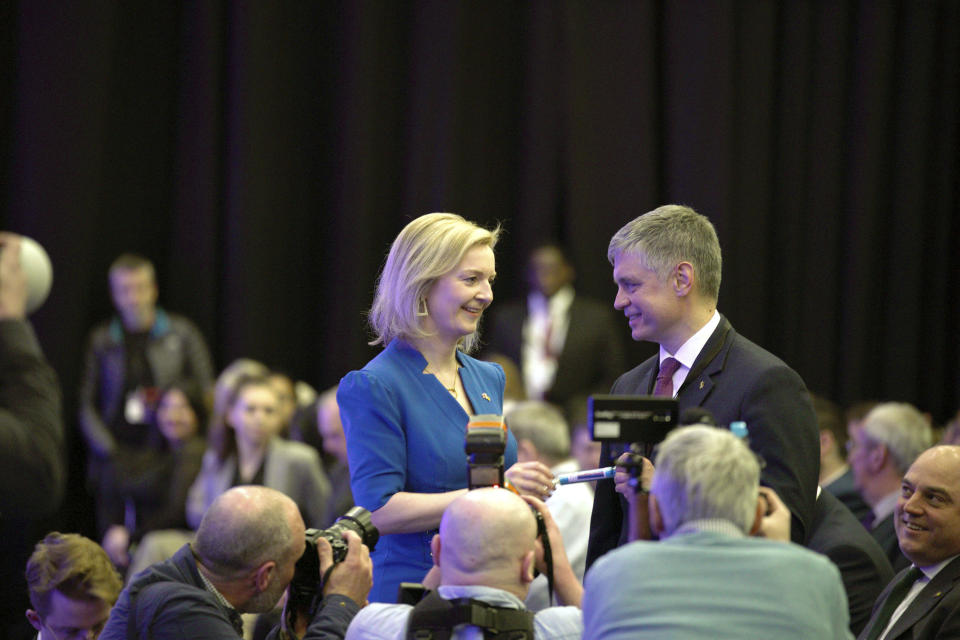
<point>547,552</point>
<point>433,618</point>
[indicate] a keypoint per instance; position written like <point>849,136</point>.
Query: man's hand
<point>531,479</point>
<point>621,480</point>
<point>775,523</point>
<point>353,577</point>
<point>13,280</point>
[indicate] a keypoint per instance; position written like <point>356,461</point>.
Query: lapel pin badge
<point>701,384</point>
<point>485,397</point>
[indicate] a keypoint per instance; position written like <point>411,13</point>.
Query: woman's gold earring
<point>422,308</point>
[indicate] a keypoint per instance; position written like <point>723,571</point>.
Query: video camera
<point>638,422</point>
<point>306,586</point>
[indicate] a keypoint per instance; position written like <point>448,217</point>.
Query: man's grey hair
<point>669,235</point>
<point>230,542</point>
<point>543,425</point>
<point>902,429</point>
<point>705,472</point>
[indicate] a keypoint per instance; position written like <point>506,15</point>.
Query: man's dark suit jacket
<point>934,613</point>
<point>592,355</point>
<point>864,567</point>
<point>886,536</point>
<point>734,379</point>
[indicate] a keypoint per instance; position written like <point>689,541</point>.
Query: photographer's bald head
<point>487,536</point>
<point>248,544</point>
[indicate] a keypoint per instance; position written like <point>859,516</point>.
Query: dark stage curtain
<point>264,155</point>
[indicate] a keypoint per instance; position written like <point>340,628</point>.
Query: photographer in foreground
<point>484,560</point>
<point>243,559</point>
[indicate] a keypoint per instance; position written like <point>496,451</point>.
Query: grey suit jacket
<point>293,468</point>
<point>935,613</point>
<point>734,379</point>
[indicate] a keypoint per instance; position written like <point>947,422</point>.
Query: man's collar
<point>710,525</point>
<point>932,571</point>
<point>212,589</point>
<point>689,350</point>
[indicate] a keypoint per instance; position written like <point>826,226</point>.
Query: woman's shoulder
<point>482,367</point>
<point>390,367</point>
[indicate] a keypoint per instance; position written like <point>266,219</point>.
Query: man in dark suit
<point>667,265</point>
<point>923,601</point>
<point>863,566</point>
<point>566,345</point>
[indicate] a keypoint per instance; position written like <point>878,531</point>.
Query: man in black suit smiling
<point>923,601</point>
<point>667,265</point>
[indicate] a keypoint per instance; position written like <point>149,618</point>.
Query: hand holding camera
<point>353,576</point>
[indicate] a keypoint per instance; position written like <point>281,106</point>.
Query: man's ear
<point>435,549</point>
<point>264,575</point>
<point>683,279</point>
<point>758,517</point>
<point>877,457</point>
<point>527,565</point>
<point>34,619</point>
<point>656,518</point>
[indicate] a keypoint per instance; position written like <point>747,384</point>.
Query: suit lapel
<point>699,382</point>
<point>931,594</point>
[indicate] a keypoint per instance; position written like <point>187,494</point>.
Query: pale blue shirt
<point>379,621</point>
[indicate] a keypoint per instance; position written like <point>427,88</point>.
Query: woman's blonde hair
<point>426,249</point>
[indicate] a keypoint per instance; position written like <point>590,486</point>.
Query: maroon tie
<point>664,385</point>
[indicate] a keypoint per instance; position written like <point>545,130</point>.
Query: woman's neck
<point>441,357</point>
<point>249,457</point>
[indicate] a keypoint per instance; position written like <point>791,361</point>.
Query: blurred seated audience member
<point>543,436</point>
<point>247,449</point>
<point>836,476</point>
<point>226,386</point>
<point>924,600</point>
<point>485,552</point>
<point>705,504</point>
<point>585,450</point>
<point>151,494</point>
<point>72,586</point>
<point>243,559</point>
<point>881,448</point>
<point>566,345</point>
<point>32,462</point>
<point>128,359</point>
<point>864,567</point>
<point>330,429</point>
<point>951,431</point>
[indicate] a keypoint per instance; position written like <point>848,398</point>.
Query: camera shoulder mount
<point>434,618</point>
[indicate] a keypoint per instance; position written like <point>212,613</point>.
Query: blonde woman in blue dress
<point>405,413</point>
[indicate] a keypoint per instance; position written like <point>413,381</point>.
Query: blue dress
<point>405,432</point>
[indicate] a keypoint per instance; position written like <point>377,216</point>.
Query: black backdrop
<point>264,154</point>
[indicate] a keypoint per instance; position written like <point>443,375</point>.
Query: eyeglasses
<point>74,633</point>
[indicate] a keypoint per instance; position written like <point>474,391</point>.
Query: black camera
<point>306,584</point>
